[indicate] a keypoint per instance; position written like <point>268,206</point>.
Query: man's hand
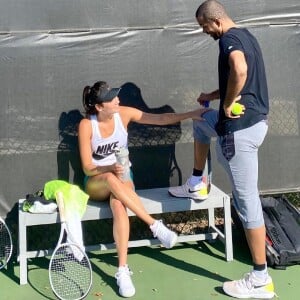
<point>203,98</point>
<point>228,109</point>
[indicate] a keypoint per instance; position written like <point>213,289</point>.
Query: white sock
<point>261,274</point>
<point>194,180</point>
<point>123,267</point>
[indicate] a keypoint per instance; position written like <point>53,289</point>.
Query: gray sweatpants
<point>238,154</point>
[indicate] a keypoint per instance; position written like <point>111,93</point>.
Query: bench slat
<point>156,201</point>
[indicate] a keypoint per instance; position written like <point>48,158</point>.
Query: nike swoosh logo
<point>190,191</point>
<point>259,286</point>
<point>99,156</point>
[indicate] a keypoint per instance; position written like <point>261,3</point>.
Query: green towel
<point>75,200</point>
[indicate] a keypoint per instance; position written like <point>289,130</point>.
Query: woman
<point>100,135</point>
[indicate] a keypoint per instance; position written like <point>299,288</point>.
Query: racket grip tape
<point>61,207</point>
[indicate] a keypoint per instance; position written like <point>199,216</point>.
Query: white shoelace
<point>249,282</point>
<point>160,230</point>
<point>123,272</point>
<point>246,282</point>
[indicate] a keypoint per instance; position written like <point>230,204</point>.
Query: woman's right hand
<point>118,169</point>
<point>115,168</point>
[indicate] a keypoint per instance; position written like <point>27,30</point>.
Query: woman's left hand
<point>198,113</point>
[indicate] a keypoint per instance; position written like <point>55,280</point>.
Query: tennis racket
<point>6,245</point>
<point>70,271</point>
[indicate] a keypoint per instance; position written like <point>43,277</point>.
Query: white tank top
<point>103,149</point>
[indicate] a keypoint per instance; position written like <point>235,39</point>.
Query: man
<point>241,78</point>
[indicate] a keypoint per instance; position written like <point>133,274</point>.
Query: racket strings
<point>70,277</point>
<point>5,245</point>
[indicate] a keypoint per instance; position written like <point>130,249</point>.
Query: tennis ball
<point>237,109</point>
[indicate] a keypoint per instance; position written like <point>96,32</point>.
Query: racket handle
<point>61,207</point>
<point>206,103</point>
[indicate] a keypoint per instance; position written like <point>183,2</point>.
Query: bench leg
<point>22,248</point>
<point>228,229</point>
<point>211,217</point>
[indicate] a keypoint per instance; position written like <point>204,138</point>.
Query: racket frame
<point>5,227</point>
<point>63,231</point>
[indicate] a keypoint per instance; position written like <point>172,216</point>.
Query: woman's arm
<point>138,116</point>
<point>84,139</point>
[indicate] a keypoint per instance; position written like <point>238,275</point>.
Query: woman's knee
<point>117,207</point>
<point>108,176</point>
<point>111,179</point>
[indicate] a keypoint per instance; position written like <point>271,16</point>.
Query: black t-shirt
<point>255,92</point>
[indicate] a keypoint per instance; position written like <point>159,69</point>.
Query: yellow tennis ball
<point>237,109</point>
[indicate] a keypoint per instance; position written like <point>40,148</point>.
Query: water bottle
<point>122,156</point>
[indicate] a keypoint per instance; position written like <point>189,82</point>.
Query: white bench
<point>156,201</point>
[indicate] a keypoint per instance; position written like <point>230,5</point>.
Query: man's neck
<point>228,24</point>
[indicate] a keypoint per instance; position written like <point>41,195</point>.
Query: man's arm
<point>237,79</point>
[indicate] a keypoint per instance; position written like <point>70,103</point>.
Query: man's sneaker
<point>250,287</point>
<point>126,287</point>
<point>167,237</point>
<point>197,192</point>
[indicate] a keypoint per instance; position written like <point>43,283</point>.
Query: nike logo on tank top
<point>103,149</point>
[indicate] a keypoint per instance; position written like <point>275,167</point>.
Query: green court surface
<point>188,271</point>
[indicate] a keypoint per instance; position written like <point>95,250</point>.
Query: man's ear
<point>217,22</point>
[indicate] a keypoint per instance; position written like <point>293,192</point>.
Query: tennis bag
<point>282,221</point>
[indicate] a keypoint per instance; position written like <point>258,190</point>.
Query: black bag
<point>282,221</point>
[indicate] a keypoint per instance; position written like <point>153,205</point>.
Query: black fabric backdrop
<point>49,50</point>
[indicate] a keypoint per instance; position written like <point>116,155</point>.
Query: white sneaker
<point>126,287</point>
<point>167,237</point>
<point>250,287</point>
<point>197,192</point>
